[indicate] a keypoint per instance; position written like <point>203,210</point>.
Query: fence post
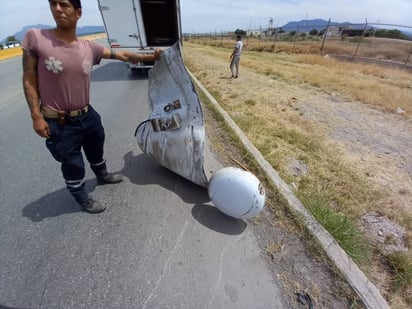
<point>407,58</point>
<point>275,39</point>
<point>324,36</point>
<point>363,34</point>
<point>296,36</point>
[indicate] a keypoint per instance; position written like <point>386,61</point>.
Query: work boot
<point>109,178</point>
<point>92,206</point>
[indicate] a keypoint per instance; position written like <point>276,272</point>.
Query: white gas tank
<point>236,192</point>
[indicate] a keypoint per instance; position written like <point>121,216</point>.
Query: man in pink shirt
<point>56,81</point>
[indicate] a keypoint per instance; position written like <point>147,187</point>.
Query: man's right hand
<point>41,127</point>
<point>156,54</point>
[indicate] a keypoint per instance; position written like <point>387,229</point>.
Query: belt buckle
<point>77,113</point>
<point>82,111</point>
<point>61,118</point>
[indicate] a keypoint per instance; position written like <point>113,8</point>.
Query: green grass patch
<point>341,227</point>
<point>297,139</point>
<point>401,265</point>
<point>245,120</point>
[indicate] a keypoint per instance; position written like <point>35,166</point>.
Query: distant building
<point>333,31</point>
<point>255,33</point>
<point>11,44</point>
<point>352,32</point>
<point>336,31</point>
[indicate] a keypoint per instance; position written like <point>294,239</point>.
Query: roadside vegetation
<point>335,191</point>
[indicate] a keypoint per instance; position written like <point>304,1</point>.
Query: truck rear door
<point>123,23</point>
<point>141,24</point>
<point>161,19</point>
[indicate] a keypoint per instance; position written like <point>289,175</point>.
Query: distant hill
<point>321,24</point>
<point>318,24</point>
<point>80,30</point>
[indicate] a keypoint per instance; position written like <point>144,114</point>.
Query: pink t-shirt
<point>63,69</point>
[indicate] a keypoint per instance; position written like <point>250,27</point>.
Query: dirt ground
<point>380,144</point>
<point>295,262</point>
<point>377,143</point>
<point>296,265</point>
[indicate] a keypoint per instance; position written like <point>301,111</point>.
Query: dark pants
<point>65,144</point>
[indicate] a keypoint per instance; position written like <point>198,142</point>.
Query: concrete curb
<point>10,53</point>
<point>18,51</point>
<point>365,289</point>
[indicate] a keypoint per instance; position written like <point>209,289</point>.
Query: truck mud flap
<point>174,134</point>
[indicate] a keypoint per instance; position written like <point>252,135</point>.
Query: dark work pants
<point>65,144</point>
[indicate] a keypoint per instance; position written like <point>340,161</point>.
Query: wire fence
<point>387,44</point>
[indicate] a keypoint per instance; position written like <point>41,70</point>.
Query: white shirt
<point>238,46</point>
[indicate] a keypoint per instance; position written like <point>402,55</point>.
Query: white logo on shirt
<point>87,66</point>
<point>53,65</point>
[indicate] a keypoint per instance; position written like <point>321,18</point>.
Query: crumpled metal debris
<point>174,134</point>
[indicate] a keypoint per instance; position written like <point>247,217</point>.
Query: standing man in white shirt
<point>235,57</point>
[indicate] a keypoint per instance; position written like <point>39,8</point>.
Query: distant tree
<point>380,33</point>
<point>393,34</point>
<point>240,32</point>
<point>292,33</point>
<point>11,38</point>
<point>314,32</point>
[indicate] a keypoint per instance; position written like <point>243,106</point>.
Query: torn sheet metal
<point>174,134</point>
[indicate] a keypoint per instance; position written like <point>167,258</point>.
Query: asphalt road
<point>159,244</point>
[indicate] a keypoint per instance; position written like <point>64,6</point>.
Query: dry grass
<point>376,48</point>
<point>262,103</point>
<point>388,89</point>
<point>366,83</point>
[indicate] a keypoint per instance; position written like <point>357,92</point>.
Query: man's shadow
<point>142,170</point>
<point>54,204</point>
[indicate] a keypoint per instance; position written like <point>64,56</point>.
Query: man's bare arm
<point>31,92</point>
<point>30,85</point>
<point>128,56</point>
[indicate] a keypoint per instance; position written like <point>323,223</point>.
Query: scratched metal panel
<point>174,134</point>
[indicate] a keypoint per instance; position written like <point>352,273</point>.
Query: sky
<point>210,16</point>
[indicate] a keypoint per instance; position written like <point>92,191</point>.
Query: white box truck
<point>141,25</point>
